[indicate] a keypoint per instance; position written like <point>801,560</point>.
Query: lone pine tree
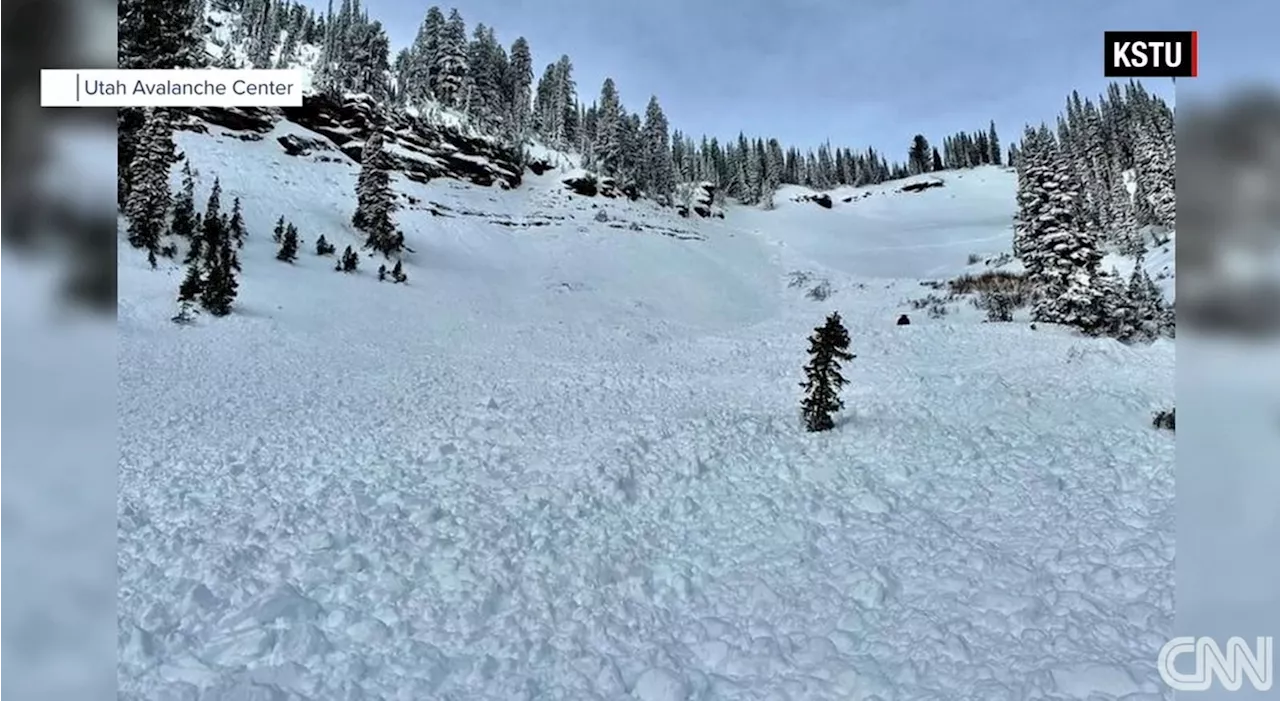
<point>189,294</point>
<point>374,201</point>
<point>236,225</point>
<point>828,346</point>
<point>323,247</point>
<point>183,223</point>
<point>349,261</point>
<point>289,244</point>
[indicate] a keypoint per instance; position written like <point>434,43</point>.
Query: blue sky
<point>855,72</point>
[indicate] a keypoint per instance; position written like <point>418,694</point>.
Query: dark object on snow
<point>538,166</point>
<point>921,186</point>
<point>821,199</point>
<point>1033,327</point>
<point>904,321</point>
<point>1164,419</point>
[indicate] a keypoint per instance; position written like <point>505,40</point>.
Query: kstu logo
<point>1151,54</point>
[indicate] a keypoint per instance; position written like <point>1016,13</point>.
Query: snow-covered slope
<point>565,462</point>
<point>881,232</point>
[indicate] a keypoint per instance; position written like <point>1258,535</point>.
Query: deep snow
<point>565,461</point>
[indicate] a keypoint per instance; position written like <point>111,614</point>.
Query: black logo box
<point>1150,54</point>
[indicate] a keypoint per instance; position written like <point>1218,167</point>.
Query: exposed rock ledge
<point>422,151</point>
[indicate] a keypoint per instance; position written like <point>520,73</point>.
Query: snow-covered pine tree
<point>1060,254</point>
<point>606,147</point>
<point>1156,174</point>
<point>235,227</point>
<point>825,176</point>
<point>325,79</point>
<point>774,172</point>
<point>374,201</point>
<point>367,61</point>
<point>519,86</point>
<point>323,247</point>
<point>397,273</point>
<point>450,68</point>
<point>349,262</point>
<point>289,49</point>
<point>183,223</point>
<point>418,79</point>
<point>265,35</point>
<point>149,197</point>
<point>212,230</point>
<point>151,34</point>
<point>542,118</point>
<point>1032,199</point>
<point>828,346</point>
<point>565,103</point>
<point>1144,212</point>
<point>219,263</point>
<point>189,294</point>
<point>982,151</point>
<point>482,87</point>
<point>993,143</point>
<point>220,286</point>
<point>288,245</point>
<point>277,234</point>
<point>918,156</point>
<point>1124,223</point>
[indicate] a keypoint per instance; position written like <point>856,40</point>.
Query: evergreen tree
<point>483,86</point>
<point>397,273</point>
<point>382,273</point>
<point>937,161</point>
<point>236,226</point>
<point>450,70</point>
<point>266,35</point>
<point>323,247</point>
<point>418,77</point>
<point>192,285</point>
<point>277,234</point>
<point>374,203</point>
<point>828,346</point>
<point>288,245</point>
<point>151,34</point>
<point>149,197</point>
<point>1060,255</point>
<point>211,225</point>
<point>220,263</point>
<point>993,144</point>
<point>183,224</point>
<point>289,49</point>
<point>658,169</point>
<point>918,156</point>
<point>189,294</point>
<point>606,147</point>
<point>519,86</point>
<point>349,262</point>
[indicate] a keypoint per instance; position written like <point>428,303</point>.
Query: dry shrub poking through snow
<point>1012,286</point>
